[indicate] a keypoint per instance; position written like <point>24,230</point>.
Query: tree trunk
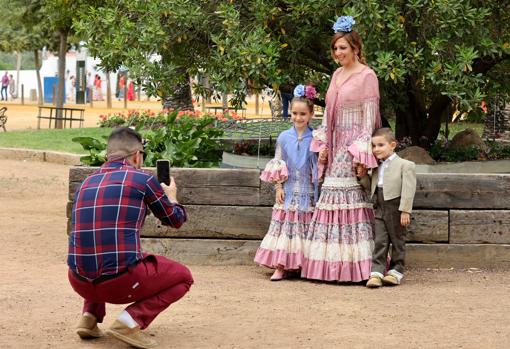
<point>38,74</point>
<point>108,91</point>
<point>415,121</point>
<point>61,77</point>
<point>18,68</point>
<point>180,99</point>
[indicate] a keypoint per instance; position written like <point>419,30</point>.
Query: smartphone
<point>163,171</point>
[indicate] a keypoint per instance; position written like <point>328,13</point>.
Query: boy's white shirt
<point>399,183</point>
<point>382,167</point>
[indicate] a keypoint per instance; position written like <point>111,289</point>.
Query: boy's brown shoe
<point>374,282</point>
<point>87,328</point>
<point>132,336</point>
<point>390,280</point>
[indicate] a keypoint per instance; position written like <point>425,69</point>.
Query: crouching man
<point>106,262</point>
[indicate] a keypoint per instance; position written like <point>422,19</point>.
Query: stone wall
<point>459,220</point>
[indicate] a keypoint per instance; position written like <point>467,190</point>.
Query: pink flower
<point>310,92</point>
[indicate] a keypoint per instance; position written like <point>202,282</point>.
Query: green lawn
<point>456,127</point>
<point>58,140</point>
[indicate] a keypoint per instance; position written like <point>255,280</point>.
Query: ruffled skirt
<point>340,241</point>
<point>284,242</point>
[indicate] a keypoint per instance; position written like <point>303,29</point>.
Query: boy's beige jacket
<point>399,180</point>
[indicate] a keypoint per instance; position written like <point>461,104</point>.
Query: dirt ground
<point>231,307</point>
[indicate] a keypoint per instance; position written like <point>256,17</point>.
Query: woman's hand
<point>361,170</point>
<point>280,196</point>
<point>323,156</point>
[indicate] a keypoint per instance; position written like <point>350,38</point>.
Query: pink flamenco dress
<point>295,168</point>
<point>340,238</point>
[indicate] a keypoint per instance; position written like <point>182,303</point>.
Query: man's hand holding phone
<point>170,190</point>
<point>167,182</point>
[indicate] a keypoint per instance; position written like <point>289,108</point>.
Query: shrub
<point>147,119</point>
<point>184,139</point>
<point>440,151</point>
<point>96,149</point>
<point>498,151</point>
<point>265,147</point>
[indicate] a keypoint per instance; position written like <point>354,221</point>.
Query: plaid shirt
<point>108,212</point>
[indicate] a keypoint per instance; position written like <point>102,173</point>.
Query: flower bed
<point>148,119</point>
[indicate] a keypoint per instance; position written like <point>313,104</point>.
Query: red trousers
<point>151,286</point>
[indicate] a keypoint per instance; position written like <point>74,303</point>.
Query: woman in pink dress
<point>131,91</point>
<point>340,237</point>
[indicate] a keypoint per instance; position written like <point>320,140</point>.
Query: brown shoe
<point>374,282</point>
<point>132,336</point>
<point>390,280</point>
<point>87,328</point>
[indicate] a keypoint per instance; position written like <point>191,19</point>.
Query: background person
<point>12,87</point>
<point>5,84</point>
<point>98,89</point>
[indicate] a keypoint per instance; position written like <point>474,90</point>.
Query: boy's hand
<point>405,219</point>
<point>280,196</point>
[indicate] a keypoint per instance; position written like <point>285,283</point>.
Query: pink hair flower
<point>310,92</point>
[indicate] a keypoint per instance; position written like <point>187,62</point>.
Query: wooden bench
<point>68,115</point>
<point>215,108</point>
<point>3,118</point>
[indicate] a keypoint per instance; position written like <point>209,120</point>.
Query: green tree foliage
<point>433,56</point>
<point>161,42</point>
<point>430,55</point>
<point>34,24</point>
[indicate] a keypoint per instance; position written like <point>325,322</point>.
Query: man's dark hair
<point>125,133</point>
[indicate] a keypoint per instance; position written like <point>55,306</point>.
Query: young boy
<point>392,189</point>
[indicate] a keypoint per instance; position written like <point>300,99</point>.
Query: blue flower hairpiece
<point>299,91</point>
<point>344,24</point>
<point>307,91</point>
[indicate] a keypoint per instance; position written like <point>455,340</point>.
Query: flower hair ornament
<point>344,24</point>
<point>307,91</point>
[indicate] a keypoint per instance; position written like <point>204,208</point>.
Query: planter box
<point>459,220</point>
<point>230,160</point>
